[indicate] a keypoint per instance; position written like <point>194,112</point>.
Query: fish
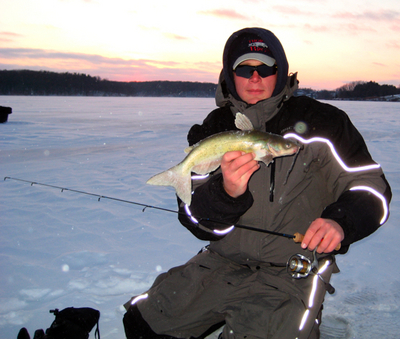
<point>205,156</point>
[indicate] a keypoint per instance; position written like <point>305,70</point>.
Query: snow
<point>60,248</point>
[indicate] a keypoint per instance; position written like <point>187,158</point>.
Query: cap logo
<point>257,46</point>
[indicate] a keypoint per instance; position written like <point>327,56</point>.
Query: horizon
<point>328,43</point>
<point>205,82</point>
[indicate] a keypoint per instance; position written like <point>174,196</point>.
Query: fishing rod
<point>297,237</point>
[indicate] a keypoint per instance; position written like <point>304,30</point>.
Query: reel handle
<point>298,238</point>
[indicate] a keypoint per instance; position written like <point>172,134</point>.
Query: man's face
<point>256,88</point>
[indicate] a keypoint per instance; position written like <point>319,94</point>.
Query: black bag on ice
<point>73,323</point>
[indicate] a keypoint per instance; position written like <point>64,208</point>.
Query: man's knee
<point>137,328</point>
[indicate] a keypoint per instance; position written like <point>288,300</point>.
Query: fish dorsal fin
<point>188,149</point>
<point>243,123</point>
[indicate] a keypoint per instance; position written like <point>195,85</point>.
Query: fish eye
<point>288,145</point>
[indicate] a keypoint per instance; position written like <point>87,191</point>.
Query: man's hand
<point>324,233</point>
<point>237,168</point>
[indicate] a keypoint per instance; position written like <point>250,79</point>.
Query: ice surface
<point>61,249</point>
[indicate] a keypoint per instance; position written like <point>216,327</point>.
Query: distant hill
<point>26,82</point>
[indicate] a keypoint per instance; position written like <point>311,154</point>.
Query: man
<point>331,191</point>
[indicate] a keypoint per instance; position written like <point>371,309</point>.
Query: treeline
<point>365,90</point>
<point>356,90</point>
<point>26,82</point>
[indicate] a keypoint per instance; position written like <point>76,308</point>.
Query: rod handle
<point>298,238</point>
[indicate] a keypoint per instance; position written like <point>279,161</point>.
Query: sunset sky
<point>329,42</point>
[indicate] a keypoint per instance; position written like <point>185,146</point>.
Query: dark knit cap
<point>235,48</point>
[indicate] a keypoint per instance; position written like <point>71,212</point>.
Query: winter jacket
<point>333,176</point>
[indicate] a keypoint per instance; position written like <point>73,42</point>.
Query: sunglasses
<point>246,71</point>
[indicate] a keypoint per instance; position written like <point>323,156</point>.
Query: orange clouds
<point>107,68</point>
<point>8,36</point>
<point>225,14</point>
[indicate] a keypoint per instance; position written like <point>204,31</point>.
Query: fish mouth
<point>291,151</point>
<point>296,150</point>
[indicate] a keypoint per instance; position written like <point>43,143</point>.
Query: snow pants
<point>257,302</point>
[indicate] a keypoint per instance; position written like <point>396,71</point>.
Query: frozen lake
<point>61,249</point>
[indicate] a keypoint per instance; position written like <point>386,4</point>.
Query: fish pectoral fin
<point>267,159</point>
<point>206,167</point>
<point>243,123</point>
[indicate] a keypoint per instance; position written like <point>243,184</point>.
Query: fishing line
<point>145,206</point>
<point>291,167</point>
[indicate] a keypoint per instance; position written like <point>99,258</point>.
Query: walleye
<point>205,156</point>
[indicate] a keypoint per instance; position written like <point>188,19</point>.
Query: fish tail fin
<point>176,178</point>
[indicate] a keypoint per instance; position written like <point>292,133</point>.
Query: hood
<point>274,46</point>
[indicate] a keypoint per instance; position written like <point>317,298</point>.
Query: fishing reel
<point>299,266</point>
